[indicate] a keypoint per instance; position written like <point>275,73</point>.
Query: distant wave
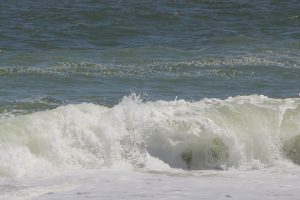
<point>244,131</point>
<point>230,67</point>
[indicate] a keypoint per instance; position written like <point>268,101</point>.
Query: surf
<point>238,132</point>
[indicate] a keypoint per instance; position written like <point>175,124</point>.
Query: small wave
<point>29,105</point>
<point>230,67</point>
<point>244,131</point>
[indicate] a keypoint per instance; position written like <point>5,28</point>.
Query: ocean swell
<point>244,131</point>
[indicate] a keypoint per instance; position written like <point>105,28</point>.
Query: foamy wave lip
<point>254,131</point>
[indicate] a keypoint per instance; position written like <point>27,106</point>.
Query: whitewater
<point>244,147</point>
<point>149,100</point>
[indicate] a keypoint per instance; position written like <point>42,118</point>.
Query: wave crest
<point>207,134</point>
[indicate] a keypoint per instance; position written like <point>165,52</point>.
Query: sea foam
<point>239,132</point>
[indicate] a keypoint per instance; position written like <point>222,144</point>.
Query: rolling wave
<point>245,131</point>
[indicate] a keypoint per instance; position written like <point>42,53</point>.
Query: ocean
<point>170,99</point>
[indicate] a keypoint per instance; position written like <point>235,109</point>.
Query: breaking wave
<point>245,131</point>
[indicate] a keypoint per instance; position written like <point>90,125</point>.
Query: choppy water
<point>55,53</point>
<point>148,85</point>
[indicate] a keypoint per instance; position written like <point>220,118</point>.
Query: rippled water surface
<point>54,53</point>
<point>149,99</point>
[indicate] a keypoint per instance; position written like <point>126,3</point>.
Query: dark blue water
<point>59,52</point>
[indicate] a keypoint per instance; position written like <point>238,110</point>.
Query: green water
<point>54,53</point>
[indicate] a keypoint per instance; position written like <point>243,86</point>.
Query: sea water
<point>149,99</point>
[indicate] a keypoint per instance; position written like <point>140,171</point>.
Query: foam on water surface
<point>239,132</point>
<point>271,183</point>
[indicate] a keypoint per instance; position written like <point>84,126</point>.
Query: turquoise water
<point>55,53</point>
